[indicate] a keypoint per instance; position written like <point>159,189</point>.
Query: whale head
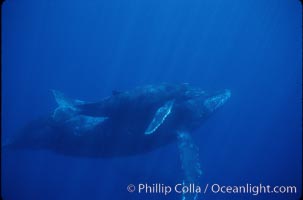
<point>201,105</point>
<point>216,100</point>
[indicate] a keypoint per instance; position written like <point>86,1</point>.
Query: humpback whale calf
<point>126,123</point>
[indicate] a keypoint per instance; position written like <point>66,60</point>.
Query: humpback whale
<point>126,123</point>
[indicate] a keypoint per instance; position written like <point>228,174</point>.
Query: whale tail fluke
<point>68,111</point>
<point>67,107</point>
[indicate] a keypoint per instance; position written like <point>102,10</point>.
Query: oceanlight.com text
<point>251,189</point>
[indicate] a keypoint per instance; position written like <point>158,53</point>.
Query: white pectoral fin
<point>159,117</point>
<point>189,156</point>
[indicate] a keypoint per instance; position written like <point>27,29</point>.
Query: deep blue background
<point>88,48</point>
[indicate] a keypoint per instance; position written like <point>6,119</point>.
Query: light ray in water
<point>189,157</point>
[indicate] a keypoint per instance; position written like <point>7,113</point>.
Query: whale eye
<point>214,102</point>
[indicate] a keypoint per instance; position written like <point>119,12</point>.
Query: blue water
<point>89,48</point>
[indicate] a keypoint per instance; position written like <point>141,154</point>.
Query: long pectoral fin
<point>159,117</point>
<point>189,156</point>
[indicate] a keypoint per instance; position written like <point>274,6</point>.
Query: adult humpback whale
<point>126,123</point>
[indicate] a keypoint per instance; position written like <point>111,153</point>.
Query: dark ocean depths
<point>89,48</point>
